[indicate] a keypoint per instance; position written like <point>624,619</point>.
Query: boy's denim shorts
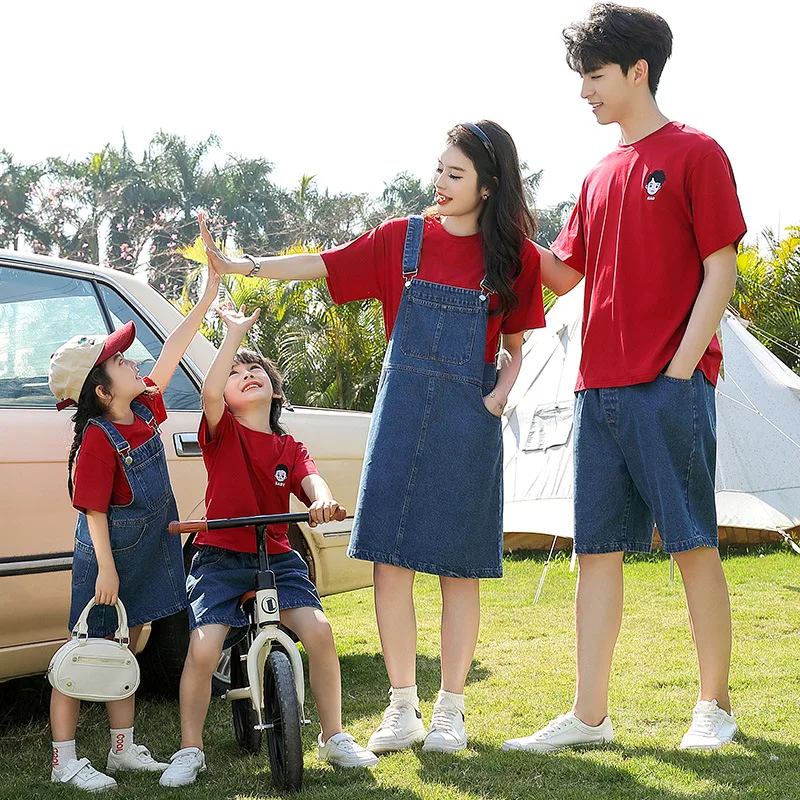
<point>219,577</point>
<point>646,454</point>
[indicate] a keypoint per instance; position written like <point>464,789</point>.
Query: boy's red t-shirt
<point>250,473</point>
<point>372,267</point>
<point>648,215</point>
<point>99,480</point>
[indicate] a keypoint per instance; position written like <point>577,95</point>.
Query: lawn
<point>522,676</point>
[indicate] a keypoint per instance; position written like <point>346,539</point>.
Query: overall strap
<point>118,441</point>
<point>144,413</point>
<point>412,248</point>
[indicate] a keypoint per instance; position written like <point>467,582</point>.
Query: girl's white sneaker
<point>82,775</point>
<point>135,758</point>
<point>711,727</point>
<point>564,731</point>
<point>342,750</point>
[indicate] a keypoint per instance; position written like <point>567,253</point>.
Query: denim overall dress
<point>149,561</point>
<point>431,490</point>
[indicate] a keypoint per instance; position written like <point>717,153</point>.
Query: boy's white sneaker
<point>400,728</point>
<point>564,731</point>
<point>711,727</point>
<point>342,750</point>
<point>135,758</point>
<point>184,767</point>
<point>82,775</point>
<point>447,734</point>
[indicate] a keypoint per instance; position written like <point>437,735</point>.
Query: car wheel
<point>161,661</point>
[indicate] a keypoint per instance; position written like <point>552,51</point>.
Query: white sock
<point>121,740</point>
<point>456,699</point>
<point>406,693</point>
<point>63,753</point>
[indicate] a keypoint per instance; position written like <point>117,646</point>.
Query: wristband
<point>256,266</point>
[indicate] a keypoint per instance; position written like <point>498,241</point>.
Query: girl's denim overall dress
<point>149,561</point>
<point>431,491</point>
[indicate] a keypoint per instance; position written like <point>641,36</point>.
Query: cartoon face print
<point>655,180</point>
<point>281,474</point>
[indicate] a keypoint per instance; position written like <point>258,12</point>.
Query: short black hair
<point>614,34</point>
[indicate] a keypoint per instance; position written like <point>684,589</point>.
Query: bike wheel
<point>244,716</point>
<point>282,712</point>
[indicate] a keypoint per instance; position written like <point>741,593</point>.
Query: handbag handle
<point>122,635</point>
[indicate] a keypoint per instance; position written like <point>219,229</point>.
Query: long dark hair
<point>247,357</point>
<point>89,405</point>
<point>505,219</point>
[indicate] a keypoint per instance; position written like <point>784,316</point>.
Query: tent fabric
<point>758,430</point>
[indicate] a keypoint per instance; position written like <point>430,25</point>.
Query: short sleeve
<point>94,474</point>
<point>529,313</point>
<point>570,246</point>
<point>154,401</point>
<point>714,204</point>
<point>302,467</point>
<point>209,444</point>
<point>357,270</point>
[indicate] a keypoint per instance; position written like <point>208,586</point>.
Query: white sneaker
<point>82,775</point>
<point>448,733</point>
<point>400,728</point>
<point>342,750</point>
<point>711,727</point>
<point>184,767</point>
<point>136,758</point>
<point>564,731</point>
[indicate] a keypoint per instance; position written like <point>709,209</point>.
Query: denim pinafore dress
<point>431,490</point>
<point>149,561</point>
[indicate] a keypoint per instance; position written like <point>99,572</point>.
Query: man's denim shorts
<point>646,454</point>
<point>219,577</point>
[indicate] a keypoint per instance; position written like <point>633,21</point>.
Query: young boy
<point>654,233</point>
<point>253,465</point>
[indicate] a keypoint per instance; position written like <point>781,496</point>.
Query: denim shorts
<point>219,577</point>
<point>644,455</point>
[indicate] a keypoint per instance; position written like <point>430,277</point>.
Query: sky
<point>354,92</point>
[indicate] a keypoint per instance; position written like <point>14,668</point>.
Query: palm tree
<point>19,186</point>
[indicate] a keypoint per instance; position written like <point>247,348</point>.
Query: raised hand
<point>235,319</point>
<point>217,260</point>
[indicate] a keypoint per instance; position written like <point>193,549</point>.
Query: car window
<point>39,311</point>
<point>181,394</point>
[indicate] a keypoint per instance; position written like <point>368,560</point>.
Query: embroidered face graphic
<point>655,180</point>
<point>281,474</point>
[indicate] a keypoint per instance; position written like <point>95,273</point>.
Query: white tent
<point>758,430</point>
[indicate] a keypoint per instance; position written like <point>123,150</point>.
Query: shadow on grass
<point>756,767</point>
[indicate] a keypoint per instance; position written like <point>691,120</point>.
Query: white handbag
<point>95,669</point>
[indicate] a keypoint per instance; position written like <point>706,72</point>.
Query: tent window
<point>551,426</point>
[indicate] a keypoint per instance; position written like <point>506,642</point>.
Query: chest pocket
<point>434,330</point>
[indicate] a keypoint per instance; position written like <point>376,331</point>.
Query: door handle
<point>186,445</point>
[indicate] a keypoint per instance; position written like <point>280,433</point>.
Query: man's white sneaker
<point>564,731</point>
<point>135,758</point>
<point>82,775</point>
<point>184,767</point>
<point>448,733</point>
<point>342,750</point>
<point>711,727</point>
<point>400,728</point>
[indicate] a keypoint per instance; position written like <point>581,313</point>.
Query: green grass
<point>522,677</point>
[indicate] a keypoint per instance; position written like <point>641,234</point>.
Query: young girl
<point>451,284</point>
<point>121,489</point>
<point>253,465</point>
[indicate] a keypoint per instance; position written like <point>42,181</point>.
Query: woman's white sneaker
<point>184,767</point>
<point>400,728</point>
<point>82,775</point>
<point>711,727</point>
<point>448,733</point>
<point>135,758</point>
<point>564,731</point>
<point>342,750</point>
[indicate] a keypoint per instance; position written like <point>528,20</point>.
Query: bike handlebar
<point>197,525</point>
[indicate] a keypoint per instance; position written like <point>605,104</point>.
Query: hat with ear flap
<point>71,364</point>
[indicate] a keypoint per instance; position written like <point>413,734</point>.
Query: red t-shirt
<point>648,215</point>
<point>99,479</point>
<point>372,266</point>
<point>249,473</point>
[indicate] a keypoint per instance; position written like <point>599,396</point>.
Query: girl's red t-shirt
<point>99,480</point>
<point>372,267</point>
<point>249,473</point>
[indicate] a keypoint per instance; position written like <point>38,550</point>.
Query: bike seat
<point>247,596</point>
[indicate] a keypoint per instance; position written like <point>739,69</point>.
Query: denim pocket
<point>82,559</point>
<point>209,556</point>
<point>126,537</point>
<point>438,332</point>
<point>481,395</point>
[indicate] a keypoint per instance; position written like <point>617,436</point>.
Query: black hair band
<point>486,141</point>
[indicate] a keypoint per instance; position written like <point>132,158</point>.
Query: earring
<point>484,197</point>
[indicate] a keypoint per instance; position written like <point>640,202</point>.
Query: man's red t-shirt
<point>99,479</point>
<point>648,215</point>
<point>372,266</point>
<point>250,473</point>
